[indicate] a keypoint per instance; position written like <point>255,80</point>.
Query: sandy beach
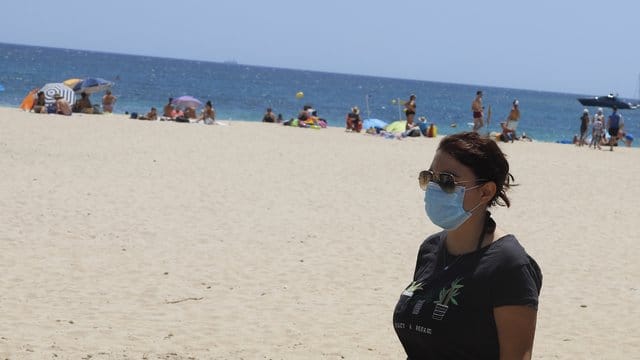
<point>127,239</point>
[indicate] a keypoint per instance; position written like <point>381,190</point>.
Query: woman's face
<point>445,163</point>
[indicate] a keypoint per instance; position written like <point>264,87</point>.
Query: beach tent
<point>51,89</point>
<point>397,126</point>
<point>369,123</point>
<point>27,102</point>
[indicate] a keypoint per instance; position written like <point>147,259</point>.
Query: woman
<point>108,100</point>
<point>354,122</point>
<point>410,111</point>
<point>208,114</point>
<point>475,290</point>
<point>40,105</point>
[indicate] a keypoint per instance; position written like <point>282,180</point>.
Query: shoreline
<point>143,238</point>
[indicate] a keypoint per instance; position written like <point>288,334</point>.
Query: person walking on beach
<point>478,111</point>
<point>474,292</point>
<point>584,125</point>
<point>108,100</point>
<point>410,111</point>
<point>614,125</point>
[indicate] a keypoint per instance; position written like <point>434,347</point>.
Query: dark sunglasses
<point>446,181</point>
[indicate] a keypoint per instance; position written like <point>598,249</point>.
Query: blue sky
<point>585,47</point>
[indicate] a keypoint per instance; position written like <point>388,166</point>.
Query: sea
<point>243,92</point>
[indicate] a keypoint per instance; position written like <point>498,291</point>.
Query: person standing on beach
<point>410,111</point>
<point>108,100</point>
<point>477,109</point>
<point>614,125</point>
<point>597,131</point>
<point>474,292</point>
<point>584,125</point>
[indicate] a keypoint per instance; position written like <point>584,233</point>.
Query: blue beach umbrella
<point>369,123</point>
<point>92,85</point>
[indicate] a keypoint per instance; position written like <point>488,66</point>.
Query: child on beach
<point>597,131</point>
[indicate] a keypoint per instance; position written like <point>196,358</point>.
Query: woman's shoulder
<point>432,243</point>
<point>507,252</point>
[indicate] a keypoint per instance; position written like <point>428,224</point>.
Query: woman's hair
<point>209,103</point>
<point>483,156</point>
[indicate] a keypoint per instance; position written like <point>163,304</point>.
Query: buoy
<point>299,95</point>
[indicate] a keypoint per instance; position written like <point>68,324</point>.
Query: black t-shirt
<point>447,313</point>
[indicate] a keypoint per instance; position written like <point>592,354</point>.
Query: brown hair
<point>483,156</point>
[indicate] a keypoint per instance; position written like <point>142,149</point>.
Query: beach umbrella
<point>51,89</point>
<point>369,123</point>
<point>71,82</point>
<point>187,101</point>
<point>92,85</point>
<point>397,126</point>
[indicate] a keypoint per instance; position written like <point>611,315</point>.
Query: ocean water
<point>243,92</point>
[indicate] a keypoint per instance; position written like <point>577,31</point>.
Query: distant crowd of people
<point>594,131</point>
<point>603,133</point>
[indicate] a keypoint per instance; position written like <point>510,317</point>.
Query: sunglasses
<point>446,181</point>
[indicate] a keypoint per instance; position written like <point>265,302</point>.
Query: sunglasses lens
<point>424,178</point>
<point>447,183</point>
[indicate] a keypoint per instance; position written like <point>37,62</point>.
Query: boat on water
<point>609,101</point>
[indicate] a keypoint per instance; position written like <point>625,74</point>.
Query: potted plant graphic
<point>446,296</point>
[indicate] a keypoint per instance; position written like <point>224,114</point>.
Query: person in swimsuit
<point>269,116</point>
<point>62,106</point>
<point>477,109</point>
<point>354,123</point>
<point>107,102</point>
<point>151,115</point>
<point>40,105</point>
<point>410,111</point>
<point>208,114</point>
<point>168,110</point>
<point>83,104</point>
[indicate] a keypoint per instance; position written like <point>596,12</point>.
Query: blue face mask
<point>444,209</point>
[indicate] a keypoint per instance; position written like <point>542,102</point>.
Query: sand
<point>127,239</point>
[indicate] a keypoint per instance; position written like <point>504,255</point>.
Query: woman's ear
<point>488,191</point>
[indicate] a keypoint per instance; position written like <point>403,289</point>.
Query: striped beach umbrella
<point>51,89</point>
